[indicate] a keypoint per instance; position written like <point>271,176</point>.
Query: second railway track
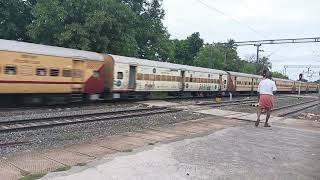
<point>294,108</point>
<point>15,125</point>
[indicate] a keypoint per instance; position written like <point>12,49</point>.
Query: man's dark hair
<point>268,75</point>
<point>264,73</point>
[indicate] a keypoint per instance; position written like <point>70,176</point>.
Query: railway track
<point>238,102</point>
<point>60,107</point>
<point>13,144</point>
<point>25,124</point>
<point>294,108</point>
<point>235,102</point>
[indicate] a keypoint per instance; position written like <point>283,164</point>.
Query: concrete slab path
<point>241,152</point>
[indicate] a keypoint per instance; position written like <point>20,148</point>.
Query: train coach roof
<point>144,62</point>
<point>16,46</point>
<point>285,80</point>
<point>244,74</point>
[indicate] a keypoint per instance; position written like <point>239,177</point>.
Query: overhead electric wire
<point>233,19</point>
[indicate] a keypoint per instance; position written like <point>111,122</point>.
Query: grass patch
<point>159,94</point>
<point>62,168</point>
<point>81,164</point>
<point>33,176</point>
<point>70,137</point>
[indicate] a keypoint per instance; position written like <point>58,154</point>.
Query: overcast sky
<point>241,20</point>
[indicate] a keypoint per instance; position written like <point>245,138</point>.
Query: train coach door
<point>235,84</point>
<point>182,80</point>
<point>132,77</point>
<point>221,83</point>
<point>77,75</point>
<point>252,84</point>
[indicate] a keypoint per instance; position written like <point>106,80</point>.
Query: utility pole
<point>257,60</point>
<point>225,57</point>
<point>258,50</point>
<point>210,56</point>
<point>319,87</point>
<point>285,70</point>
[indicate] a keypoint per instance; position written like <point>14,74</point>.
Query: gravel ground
<point>312,114</point>
<point>58,108</point>
<point>194,101</point>
<point>278,102</point>
<point>82,110</point>
<point>80,133</point>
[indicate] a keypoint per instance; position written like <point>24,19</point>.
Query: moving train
<point>39,74</point>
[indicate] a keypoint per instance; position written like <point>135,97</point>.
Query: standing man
<point>265,89</point>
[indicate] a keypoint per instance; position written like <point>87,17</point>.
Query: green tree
<point>15,15</point>
<point>263,64</point>
<point>220,56</point>
<point>97,25</point>
<point>247,67</point>
<point>279,75</point>
<point>186,50</point>
<point>152,37</point>
<point>210,57</point>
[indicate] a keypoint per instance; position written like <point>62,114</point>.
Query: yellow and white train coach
<point>127,75</point>
<point>37,74</point>
<point>33,73</point>
<point>284,85</point>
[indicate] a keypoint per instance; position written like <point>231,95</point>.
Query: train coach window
<point>41,71</point>
<point>26,70</point>
<point>163,78</point>
<point>10,70</point>
<point>120,75</point>
<point>67,73</point>
<point>146,77</point>
<point>152,78</point>
<point>96,74</point>
<point>54,72</point>
<point>76,73</point>
<point>139,76</point>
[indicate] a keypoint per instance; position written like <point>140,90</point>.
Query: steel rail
<point>295,110</point>
<point>10,144</point>
<point>76,115</point>
<point>293,105</point>
<point>10,126</point>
